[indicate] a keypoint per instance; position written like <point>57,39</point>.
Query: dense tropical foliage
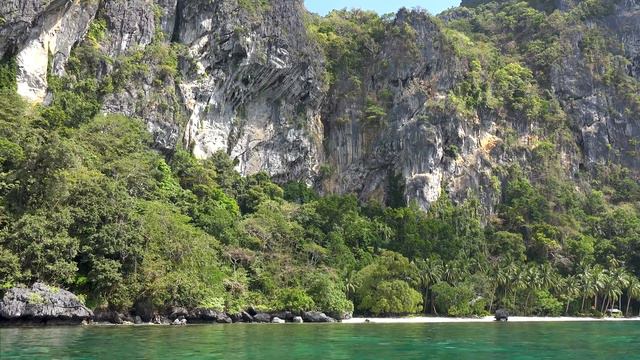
<point>86,203</point>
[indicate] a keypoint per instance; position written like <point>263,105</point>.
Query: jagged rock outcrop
<point>254,91</point>
<point>41,34</point>
<point>412,141</point>
<point>251,81</point>
<point>316,317</point>
<point>607,125</point>
<point>42,304</point>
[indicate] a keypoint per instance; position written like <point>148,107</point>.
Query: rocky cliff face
<point>252,82</point>
<point>607,124</point>
<point>41,35</point>
<point>41,304</point>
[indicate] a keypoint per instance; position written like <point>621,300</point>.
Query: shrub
<point>294,299</point>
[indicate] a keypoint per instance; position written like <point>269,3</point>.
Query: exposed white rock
<point>53,36</point>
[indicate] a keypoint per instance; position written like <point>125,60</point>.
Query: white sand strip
<point>426,320</point>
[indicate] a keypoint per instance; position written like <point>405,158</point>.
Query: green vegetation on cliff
<point>93,208</point>
<point>86,203</point>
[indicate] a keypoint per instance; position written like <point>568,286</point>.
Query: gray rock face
<point>42,303</point>
<point>254,91</point>
<point>109,316</point>
<point>35,30</point>
<point>411,141</point>
<point>18,18</point>
<point>251,83</point>
<point>208,315</point>
<point>316,317</point>
<point>502,315</point>
<point>607,129</point>
<point>262,318</point>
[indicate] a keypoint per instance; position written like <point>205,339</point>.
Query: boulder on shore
<point>179,321</point>
<point>208,315</point>
<point>262,318</point>
<point>43,304</point>
<point>242,316</point>
<point>502,315</point>
<point>285,315</point>
<point>316,317</point>
<point>109,316</point>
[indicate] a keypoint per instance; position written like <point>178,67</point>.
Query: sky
<point>381,6</point>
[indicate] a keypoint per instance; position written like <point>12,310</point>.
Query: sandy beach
<point>425,320</point>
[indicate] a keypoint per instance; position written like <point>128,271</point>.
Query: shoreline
<point>352,321</point>
<point>486,319</point>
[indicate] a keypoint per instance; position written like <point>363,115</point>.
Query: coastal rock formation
<point>41,34</point>
<point>108,316</point>
<point>316,317</point>
<point>502,315</point>
<point>209,316</point>
<point>42,304</point>
<point>262,318</point>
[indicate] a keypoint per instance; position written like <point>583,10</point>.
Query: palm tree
<point>571,290</point>
<point>511,273</point>
<point>350,284</point>
<point>633,291</point>
<point>501,280</point>
<point>622,278</point>
<point>548,277</point>
<point>431,271</point>
<point>591,284</point>
<point>520,281</point>
<point>532,282</point>
<point>614,282</point>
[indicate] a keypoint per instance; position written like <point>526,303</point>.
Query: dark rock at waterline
<point>160,320</point>
<point>236,318</point>
<point>208,315</point>
<point>42,304</point>
<point>110,316</point>
<point>137,320</point>
<point>242,316</point>
<point>252,311</point>
<point>176,312</point>
<point>285,315</point>
<point>246,317</point>
<point>262,318</point>
<point>317,317</point>
<point>502,315</point>
<point>144,309</point>
<point>179,321</point>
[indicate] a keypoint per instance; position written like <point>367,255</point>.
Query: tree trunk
<point>493,296</point>
<point>584,298</point>
<point>626,313</point>
<point>605,303</point>
<point>433,304</point>
<point>566,310</point>
<point>425,299</point>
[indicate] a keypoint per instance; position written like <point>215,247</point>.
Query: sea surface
<point>584,340</point>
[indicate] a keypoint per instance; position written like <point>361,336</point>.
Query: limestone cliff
<point>253,81</point>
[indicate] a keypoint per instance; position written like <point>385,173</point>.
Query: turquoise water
<point>590,340</point>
